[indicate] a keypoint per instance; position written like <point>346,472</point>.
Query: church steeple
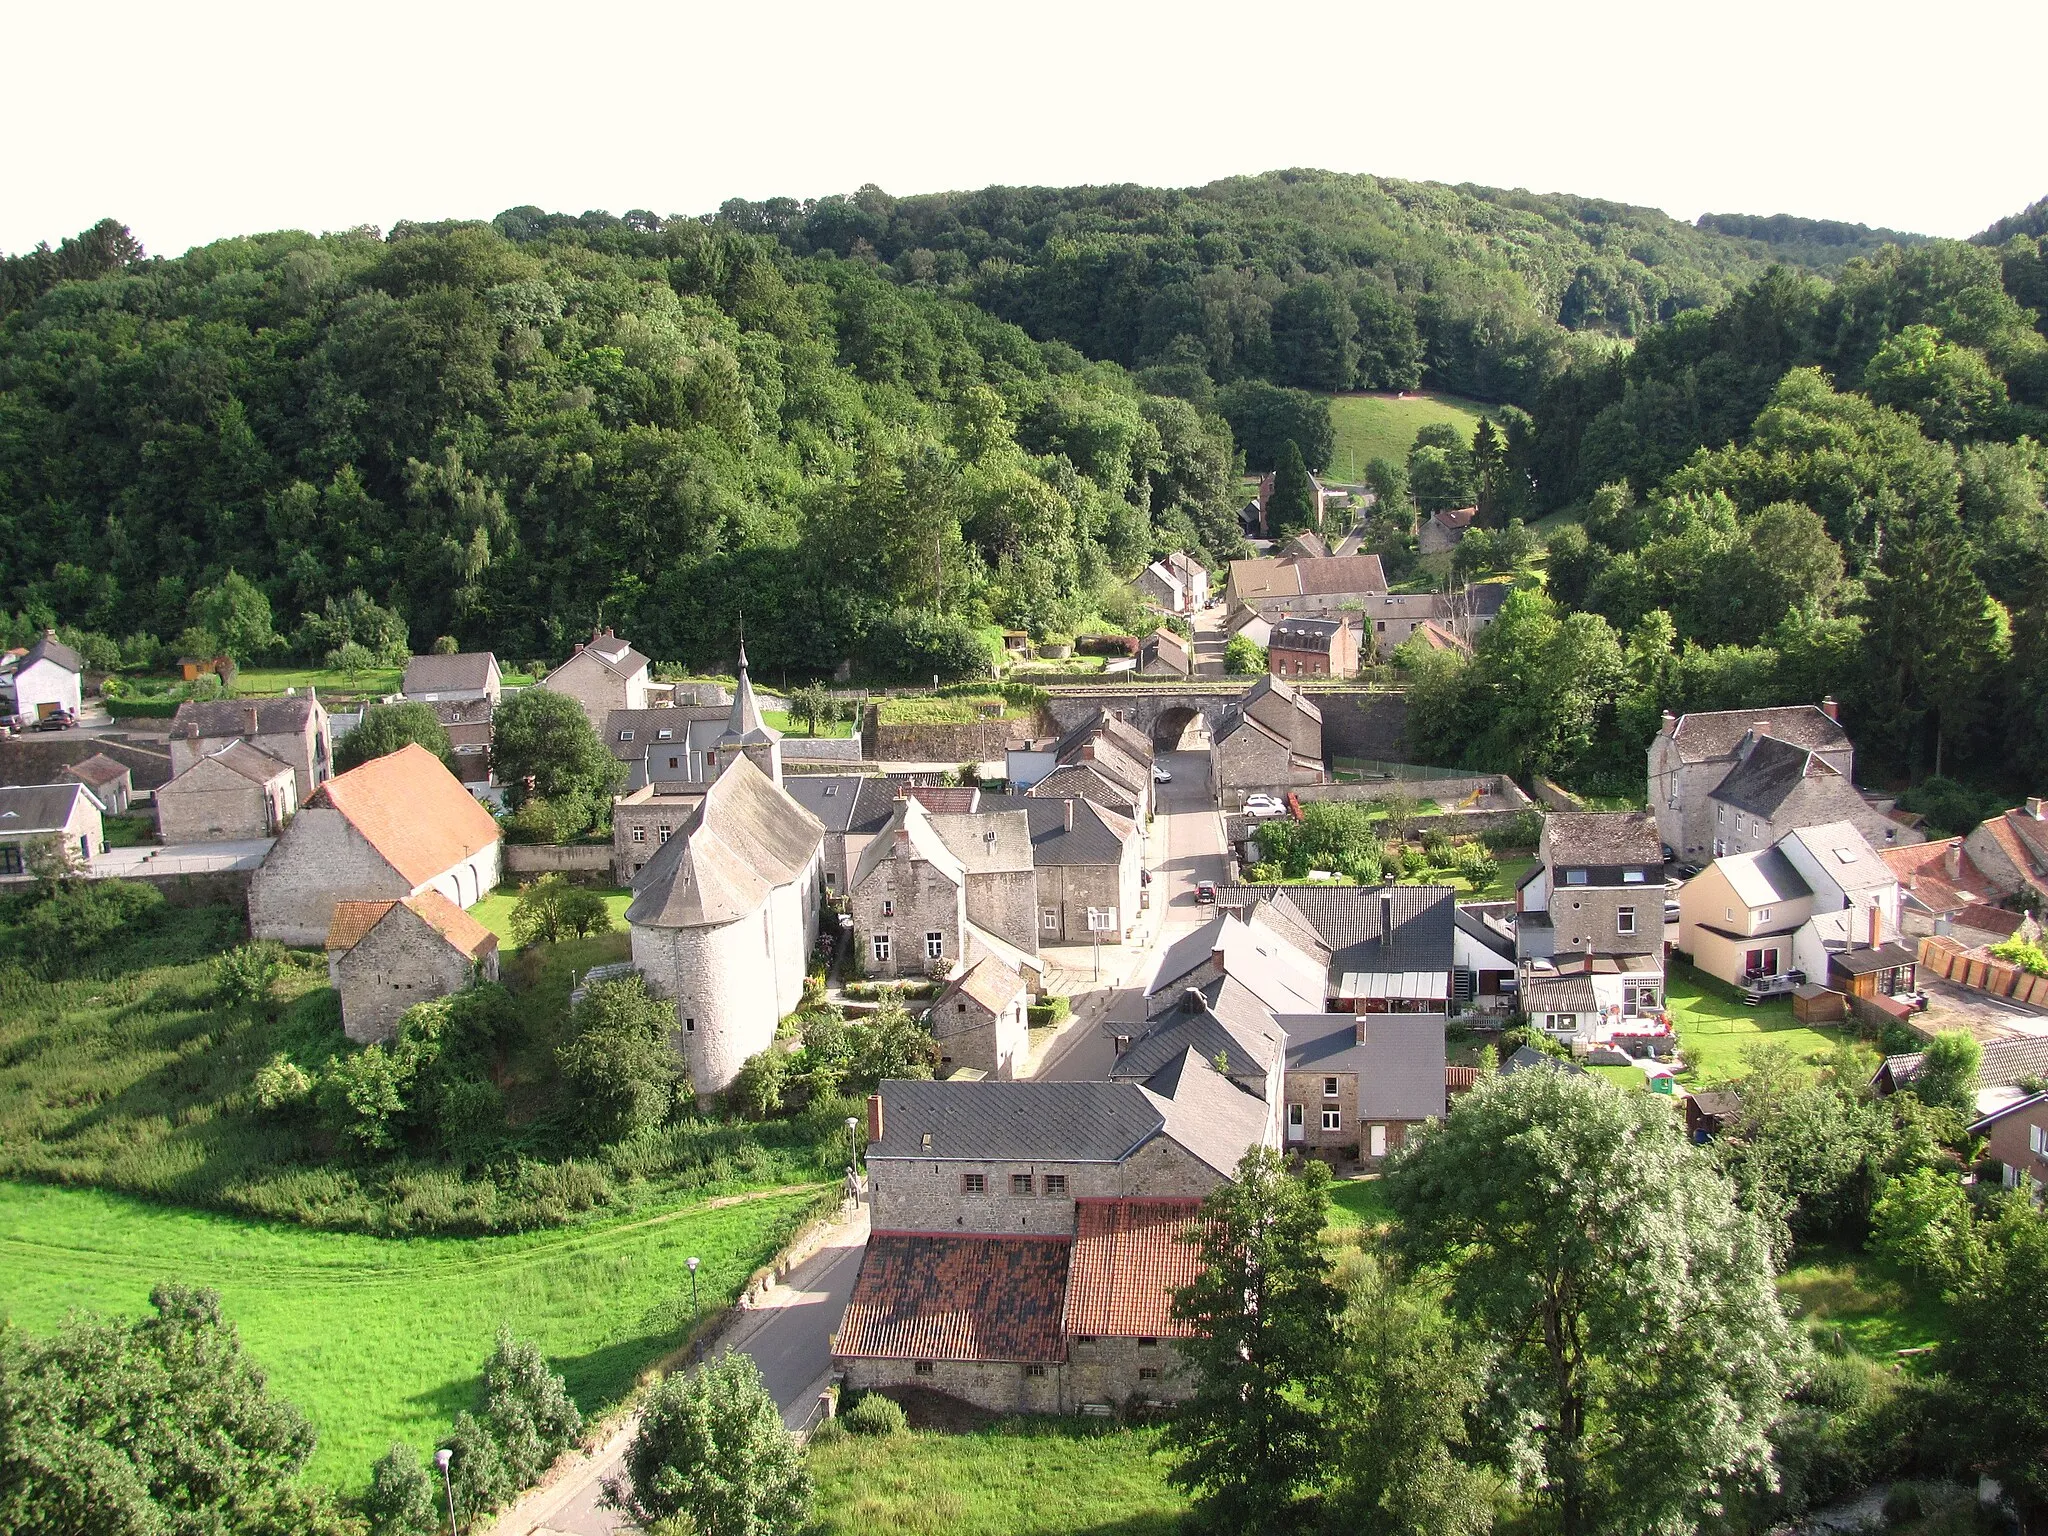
<point>745,723</point>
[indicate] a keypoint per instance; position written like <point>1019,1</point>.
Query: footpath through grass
<point>1021,1477</point>
<point>379,1339</point>
<point>1383,427</point>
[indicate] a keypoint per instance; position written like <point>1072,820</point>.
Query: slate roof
<point>99,770</point>
<point>695,726</point>
<point>1348,919</point>
<point>1166,647</point>
<point>988,982</point>
<point>1765,781</point>
<point>1280,976</point>
<point>1074,780</point>
<point>1230,1022</point>
<point>1485,599</point>
<point>1316,635</point>
<point>412,810</point>
<point>464,672</point>
<point>1096,838</point>
<point>1717,733</point>
<point>834,798</point>
<point>744,726</point>
<point>608,650</point>
<point>1603,838</point>
<point>252,763</point>
<point>26,808</point>
<point>1208,1114</point>
<point>198,719</point>
<point>1846,855</point>
<point>49,648</point>
<point>1759,879</point>
<point>1400,1062</point>
<point>1293,696</point>
<point>1024,1121</point>
<point>745,838</point>
<point>925,844</point>
<point>988,844</point>
<point>1128,1260</point>
<point>2003,1063</point>
<point>1527,1056</point>
<point>957,1298</point>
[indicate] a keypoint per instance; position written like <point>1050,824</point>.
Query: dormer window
<point>1575,877</point>
<point>625,735</point>
<point>1632,877</point>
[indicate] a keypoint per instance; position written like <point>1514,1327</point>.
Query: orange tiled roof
<point>957,1298</point>
<point>353,919</point>
<point>412,810</point>
<point>1922,868</point>
<point>452,923</point>
<point>1128,1262</point>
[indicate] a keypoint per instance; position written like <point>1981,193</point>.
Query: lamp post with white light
<point>441,1459</point>
<point>696,1344</point>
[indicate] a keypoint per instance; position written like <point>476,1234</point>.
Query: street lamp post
<point>441,1459</point>
<point>696,1344</point>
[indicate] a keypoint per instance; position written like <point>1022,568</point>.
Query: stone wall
<point>1005,903</point>
<point>722,982</point>
<point>1106,1370</point>
<point>970,1036</point>
<point>1067,891</point>
<point>209,888</point>
<point>979,742</point>
<point>320,859</point>
<point>396,964</point>
<point>922,900</point>
<point>547,858</point>
<point>925,1194</point>
<point>1364,723</point>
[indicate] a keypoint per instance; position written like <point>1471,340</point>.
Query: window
<point>1333,1119</point>
<point>973,1183</point>
<point>888,907</point>
<point>1034,1370</point>
<point>671,762</point>
<point>639,834</point>
<point>2037,1139</point>
<point>923,1368</point>
<point>1631,877</point>
<point>1624,919</point>
<point>831,881</point>
<point>1020,1183</point>
<point>934,945</point>
<point>1720,813</point>
<point>625,735</point>
<point>10,858</point>
<point>1575,877</point>
<point>959,1007</point>
<point>1329,1087</point>
<point>1049,920</point>
<point>1763,914</point>
<point>1055,1183</point>
<point>1148,1373</point>
<point>1147,1341</point>
<point>1084,1338</point>
<point>881,948</point>
<point>665,831</point>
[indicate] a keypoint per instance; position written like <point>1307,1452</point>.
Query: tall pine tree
<point>1293,506</point>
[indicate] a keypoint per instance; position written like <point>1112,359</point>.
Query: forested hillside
<point>508,439</point>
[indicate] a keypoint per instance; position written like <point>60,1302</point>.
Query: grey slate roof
<point>232,717</point>
<point>745,725</point>
<point>1774,771</point>
<point>252,763</point>
<point>1304,634</point>
<point>1717,733</point>
<point>1603,838</point>
<point>987,845</point>
<point>1096,837</point>
<point>1023,1121</point>
<point>1527,1056</point>
<point>464,672</point>
<point>1230,1021</point>
<point>744,838</point>
<point>694,726</point>
<point>49,648</point>
<point>2004,1062</point>
<point>1209,1115</point>
<point>1765,877</point>
<point>1348,919</point>
<point>1400,1063</point>
<point>1845,853</point>
<point>26,808</point>
<point>831,797</point>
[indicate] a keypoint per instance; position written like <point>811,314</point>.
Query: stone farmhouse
<point>724,917</point>
<point>1776,788</point>
<point>1026,1235</point>
<point>109,780</point>
<point>1293,587</point>
<point>1942,890</point>
<point>603,674</point>
<point>1089,862</point>
<point>1460,615</point>
<point>66,814</point>
<point>980,1022</point>
<point>395,827</point>
<point>385,956</point>
<point>1103,759</point>
<point>234,793</point>
<point>2011,850</point>
<point>1692,755</point>
<point>1271,738</point>
<point>293,729</point>
<point>1443,531</point>
<point>1590,928</point>
<point>1177,584</point>
<point>45,679</point>
<point>1165,654</point>
<point>936,893</point>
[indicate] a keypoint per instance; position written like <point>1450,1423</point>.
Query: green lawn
<point>495,913</point>
<point>1383,427</point>
<point>129,831</point>
<point>371,682</point>
<point>779,719</point>
<point>1873,1307</point>
<point>1358,1203</point>
<point>1716,1029</point>
<point>1022,1477</point>
<point>379,1339</point>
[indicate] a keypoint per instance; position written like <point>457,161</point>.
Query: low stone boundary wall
<point>554,858</point>
<point>980,741</point>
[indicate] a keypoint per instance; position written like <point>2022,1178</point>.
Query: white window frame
<point>934,944</point>
<point>878,945</point>
<point>1333,1120</point>
<point>1049,920</point>
<point>888,907</point>
<point>1577,877</point>
<point>1329,1087</point>
<point>639,834</point>
<point>1624,919</point>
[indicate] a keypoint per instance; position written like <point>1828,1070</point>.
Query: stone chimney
<point>1192,1001</point>
<point>1358,1028</point>
<point>1386,915</point>
<point>1069,804</point>
<point>253,716</point>
<point>1952,859</point>
<point>1668,724</point>
<point>1830,708</point>
<point>2037,808</point>
<point>874,1118</point>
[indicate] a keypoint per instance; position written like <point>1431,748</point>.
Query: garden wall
<point>977,742</point>
<point>1977,970</point>
<point>557,858</point>
<point>1363,723</point>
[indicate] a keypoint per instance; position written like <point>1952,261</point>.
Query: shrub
<point>2017,951</point>
<point>1043,1015</point>
<point>758,1085</point>
<point>875,1415</point>
<point>527,1409</point>
<point>891,1044</point>
<point>618,1068</point>
<point>386,728</point>
<point>1522,831</point>
<point>712,1447</point>
<point>1242,658</point>
<point>244,973</point>
<point>551,909</point>
<point>544,821</point>
<point>402,1499</point>
<point>71,920</point>
<point>362,1096</point>
<point>280,1083</point>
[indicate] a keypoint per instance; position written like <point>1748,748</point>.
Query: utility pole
<point>696,1344</point>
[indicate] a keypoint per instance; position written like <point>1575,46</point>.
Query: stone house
<point>394,827</point>
<point>1358,1083</point>
<point>836,800</point>
<point>67,814</point>
<point>2011,850</point>
<point>681,749</point>
<point>1306,545</point>
<point>1692,754</point>
<point>604,673</point>
<point>1177,584</point>
<point>1104,759</point>
<point>1248,755</point>
<point>2017,1140</point>
<point>1776,787</point>
<point>466,675</point>
<point>108,779</point>
<point>235,793</point>
<point>1165,654</point>
<point>1277,588</point>
<point>979,1020</point>
<point>641,822</point>
<point>1443,531</point>
<point>725,916</point>
<point>1593,909</point>
<point>385,956</point>
<point>1089,864</point>
<point>46,679</point>
<point>1940,887</point>
<point>1458,615</point>
<point>469,724</point>
<point>293,729</point>
<point>1313,647</point>
<point>1223,1022</point>
<point>920,888</point>
<point>1089,1184</point>
<point>1258,948</point>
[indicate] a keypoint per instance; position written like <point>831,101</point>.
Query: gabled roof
<point>1293,696</point>
<point>99,770</point>
<point>252,763</point>
<point>831,797</point>
<point>1717,733</point>
<point>1485,599</point>
<point>1222,1020</point>
<point>1209,1115</point>
<point>1164,645</point>
<point>49,648</point>
<point>1437,638</point>
<point>1023,1121</point>
<point>987,982</point>
<point>1939,876</point>
<point>1477,927</point>
<point>745,838</point>
<point>353,921</point>
<point>1766,780</point>
<point>913,819</point>
<point>412,810</point>
<point>1840,849</point>
<point>2024,840</point>
<point>1304,546</point>
<point>1128,1260</point>
<point>695,726</point>
<point>463,672</point>
<point>1258,958</point>
<point>1760,879</point>
<point>1400,1062</point>
<point>988,844</point>
<point>957,1298</point>
<point>26,808</point>
<point>2003,1062</point>
<point>1096,838</point>
<point>610,652</point>
<point>1603,838</point>
<point>1526,1057</point>
<point>1456,519</point>
<point>2030,1105</point>
<point>198,719</point>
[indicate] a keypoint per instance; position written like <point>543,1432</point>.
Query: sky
<point>215,118</point>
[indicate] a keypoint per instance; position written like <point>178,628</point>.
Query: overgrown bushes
<point>1047,1012</point>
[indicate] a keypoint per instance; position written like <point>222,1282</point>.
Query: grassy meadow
<point>379,1339</point>
<point>1384,426</point>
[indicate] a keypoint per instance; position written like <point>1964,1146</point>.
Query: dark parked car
<point>55,720</point>
<point>1205,893</point>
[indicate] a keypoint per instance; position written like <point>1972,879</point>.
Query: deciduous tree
<point>711,1447</point>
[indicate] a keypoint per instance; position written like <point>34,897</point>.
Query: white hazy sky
<point>213,118</point>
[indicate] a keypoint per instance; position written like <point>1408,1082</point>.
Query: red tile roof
<point>957,1298</point>
<point>412,810</point>
<point>352,920</point>
<point>1924,870</point>
<point>1128,1262</point>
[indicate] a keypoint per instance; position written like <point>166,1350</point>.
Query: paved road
<point>789,1335</point>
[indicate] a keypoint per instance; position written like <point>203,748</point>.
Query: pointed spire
<point>745,723</point>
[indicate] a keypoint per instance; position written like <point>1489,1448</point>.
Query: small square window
<point>1575,877</point>
<point>959,1007</point>
<point>689,1026</point>
<point>1084,1338</point>
<point>1055,1183</point>
<point>888,907</point>
<point>639,834</point>
<point>1020,1183</point>
<point>625,735</point>
<point>1034,1370</point>
<point>973,1183</point>
<point>1049,920</point>
<point>1329,1087</point>
<point>1146,1340</point>
<point>1148,1373</point>
<point>923,1368</point>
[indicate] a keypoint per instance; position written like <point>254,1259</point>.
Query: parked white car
<point>1160,775</point>
<point>1263,805</point>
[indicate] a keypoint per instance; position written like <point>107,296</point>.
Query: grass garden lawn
<point>1358,1203</point>
<point>917,710</point>
<point>371,681</point>
<point>1876,1310</point>
<point>1384,427</point>
<point>128,831</point>
<point>1021,1477</point>
<point>781,720</point>
<point>381,1339</point>
<point>495,913</point>
<point>1716,1029</point>
<point>1509,875</point>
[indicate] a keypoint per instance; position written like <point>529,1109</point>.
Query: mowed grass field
<point>1717,1031</point>
<point>1022,1477</point>
<point>1384,426</point>
<point>380,1339</point>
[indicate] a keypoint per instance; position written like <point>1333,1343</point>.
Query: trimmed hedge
<point>1052,1011</point>
<point>142,709</point>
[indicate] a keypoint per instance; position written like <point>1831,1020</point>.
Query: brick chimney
<point>1668,724</point>
<point>874,1117</point>
<point>1830,708</point>
<point>1358,1028</point>
<point>252,720</point>
<point>1876,926</point>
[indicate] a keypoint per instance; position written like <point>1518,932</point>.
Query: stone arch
<point>1171,724</point>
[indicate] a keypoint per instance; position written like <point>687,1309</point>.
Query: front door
<point>1297,1118</point>
<point>1378,1142</point>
